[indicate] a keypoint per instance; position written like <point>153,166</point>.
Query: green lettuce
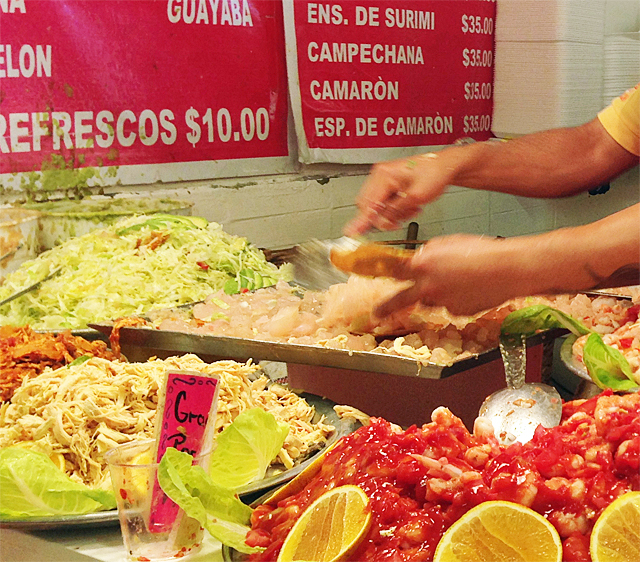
<point>606,365</point>
<point>163,220</point>
<point>215,507</point>
<point>244,449</point>
<point>532,319</point>
<point>31,485</point>
<point>195,259</point>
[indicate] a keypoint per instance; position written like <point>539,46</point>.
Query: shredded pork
<point>25,353</point>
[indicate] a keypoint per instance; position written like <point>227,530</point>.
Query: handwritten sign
<point>186,421</point>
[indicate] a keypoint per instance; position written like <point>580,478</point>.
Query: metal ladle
<point>516,411</point>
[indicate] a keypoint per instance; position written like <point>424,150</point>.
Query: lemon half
<point>330,529</point>
<point>500,531</point>
<point>616,534</point>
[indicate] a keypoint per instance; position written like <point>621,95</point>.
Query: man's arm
<point>469,273</point>
<point>554,163</point>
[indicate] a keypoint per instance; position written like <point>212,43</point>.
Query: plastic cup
<point>134,479</point>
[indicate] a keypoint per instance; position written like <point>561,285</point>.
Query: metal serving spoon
<point>516,411</point>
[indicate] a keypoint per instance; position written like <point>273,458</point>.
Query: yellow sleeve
<point>621,119</point>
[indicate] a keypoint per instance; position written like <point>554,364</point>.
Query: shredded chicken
<point>349,412</point>
<point>75,414</point>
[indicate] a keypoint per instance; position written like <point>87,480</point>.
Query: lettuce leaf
<point>31,485</point>
<point>607,367</point>
<point>216,508</point>
<point>532,319</point>
<point>246,448</point>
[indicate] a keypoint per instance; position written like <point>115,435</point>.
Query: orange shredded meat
<point>25,354</point>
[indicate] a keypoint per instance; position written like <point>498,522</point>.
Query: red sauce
<point>422,480</point>
<point>632,314</point>
<point>625,343</point>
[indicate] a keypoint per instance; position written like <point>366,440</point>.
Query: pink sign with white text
<point>117,83</point>
<point>370,78</point>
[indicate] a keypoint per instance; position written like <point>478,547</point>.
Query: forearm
<point>602,254</point>
<point>552,163</point>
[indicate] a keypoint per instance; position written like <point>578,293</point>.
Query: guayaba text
<point>84,129</point>
<point>213,12</point>
<point>12,6</point>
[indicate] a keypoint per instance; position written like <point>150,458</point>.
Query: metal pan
<point>243,349</point>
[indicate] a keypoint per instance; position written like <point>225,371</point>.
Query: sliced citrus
<point>500,531</point>
<point>137,479</point>
<point>59,460</point>
<point>330,529</point>
<point>616,534</point>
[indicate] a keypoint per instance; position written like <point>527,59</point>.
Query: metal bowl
<point>66,219</point>
<point>586,388</point>
<point>19,239</point>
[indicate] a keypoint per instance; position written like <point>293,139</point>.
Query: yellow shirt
<point>621,119</point>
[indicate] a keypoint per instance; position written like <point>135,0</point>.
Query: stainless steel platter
<point>86,333</point>
<point>87,520</point>
<point>323,409</point>
<point>587,388</point>
<point>243,349</point>
<point>570,361</point>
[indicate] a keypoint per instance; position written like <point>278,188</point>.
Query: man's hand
<point>395,191</point>
<point>465,273</point>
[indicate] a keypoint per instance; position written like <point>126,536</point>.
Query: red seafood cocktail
<point>420,481</point>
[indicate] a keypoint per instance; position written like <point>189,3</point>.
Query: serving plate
<point>86,333</point>
<point>87,520</point>
<point>587,388</point>
<point>274,478</point>
<point>323,407</point>
<point>230,554</point>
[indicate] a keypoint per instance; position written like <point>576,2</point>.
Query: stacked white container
<point>549,64</point>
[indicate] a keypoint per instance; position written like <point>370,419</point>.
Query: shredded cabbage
<point>122,271</point>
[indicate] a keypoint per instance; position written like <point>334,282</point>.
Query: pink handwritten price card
<point>191,400</point>
<point>186,421</point>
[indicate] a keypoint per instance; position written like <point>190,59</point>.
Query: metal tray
<point>87,333</point>
<point>86,520</point>
<point>322,407</point>
<point>570,361</point>
<point>243,349</point>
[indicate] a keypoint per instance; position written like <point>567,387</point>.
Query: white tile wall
<point>621,16</point>
<point>527,220</point>
<point>281,211</point>
<point>584,208</point>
